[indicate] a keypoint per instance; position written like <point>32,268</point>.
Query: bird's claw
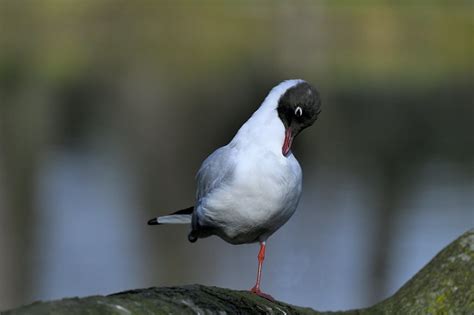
<point>258,292</point>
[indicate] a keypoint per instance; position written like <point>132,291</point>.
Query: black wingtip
<point>153,221</point>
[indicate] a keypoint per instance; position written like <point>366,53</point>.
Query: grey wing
<point>215,171</point>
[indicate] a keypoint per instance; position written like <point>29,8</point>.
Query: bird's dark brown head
<point>298,108</point>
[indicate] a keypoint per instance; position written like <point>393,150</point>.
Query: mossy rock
<point>444,286</point>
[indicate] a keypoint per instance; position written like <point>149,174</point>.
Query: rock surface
<point>444,286</point>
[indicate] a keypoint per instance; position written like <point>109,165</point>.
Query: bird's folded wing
<point>216,171</point>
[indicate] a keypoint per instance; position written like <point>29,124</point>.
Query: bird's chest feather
<point>262,195</point>
<point>268,183</point>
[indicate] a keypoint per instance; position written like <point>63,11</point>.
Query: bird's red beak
<point>288,141</point>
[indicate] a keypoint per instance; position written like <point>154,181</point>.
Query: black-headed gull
<point>249,188</point>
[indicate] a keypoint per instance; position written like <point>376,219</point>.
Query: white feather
<point>175,219</point>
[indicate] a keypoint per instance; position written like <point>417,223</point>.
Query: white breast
<point>261,197</point>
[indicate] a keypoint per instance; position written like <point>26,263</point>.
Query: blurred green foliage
<point>339,40</point>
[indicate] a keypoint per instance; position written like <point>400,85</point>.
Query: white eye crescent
<point>298,111</point>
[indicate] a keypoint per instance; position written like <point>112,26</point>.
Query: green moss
<point>444,286</point>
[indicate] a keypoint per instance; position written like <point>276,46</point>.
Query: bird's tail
<point>179,217</point>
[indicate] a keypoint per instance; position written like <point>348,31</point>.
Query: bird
<point>247,189</point>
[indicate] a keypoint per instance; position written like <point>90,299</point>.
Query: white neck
<point>264,128</point>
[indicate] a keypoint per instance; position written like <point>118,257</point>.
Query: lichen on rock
<point>444,286</point>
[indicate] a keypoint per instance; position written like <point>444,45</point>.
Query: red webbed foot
<point>258,292</point>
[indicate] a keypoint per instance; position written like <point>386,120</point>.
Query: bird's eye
<point>298,111</point>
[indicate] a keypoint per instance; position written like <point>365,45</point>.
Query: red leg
<point>256,287</point>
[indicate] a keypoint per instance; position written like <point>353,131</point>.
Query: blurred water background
<point>108,108</point>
